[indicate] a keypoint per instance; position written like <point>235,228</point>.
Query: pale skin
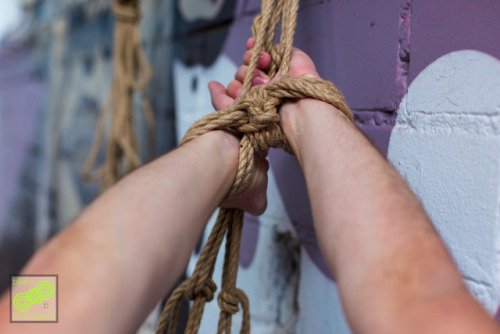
<point>129,247</point>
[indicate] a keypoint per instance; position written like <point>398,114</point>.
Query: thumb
<point>220,100</point>
<point>302,65</point>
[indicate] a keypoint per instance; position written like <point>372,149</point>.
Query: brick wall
<point>422,78</point>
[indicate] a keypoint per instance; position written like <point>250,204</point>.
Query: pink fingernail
<point>258,81</point>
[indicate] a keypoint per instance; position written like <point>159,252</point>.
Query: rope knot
<point>255,117</point>
<point>228,302</point>
<point>204,288</point>
<point>260,108</point>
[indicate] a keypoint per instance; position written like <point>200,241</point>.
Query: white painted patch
<point>191,105</point>
<point>272,296</point>
<point>193,10</point>
<point>319,302</point>
<point>10,15</point>
<point>446,145</point>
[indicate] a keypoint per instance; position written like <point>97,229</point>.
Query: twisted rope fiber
<point>132,73</point>
<point>256,119</point>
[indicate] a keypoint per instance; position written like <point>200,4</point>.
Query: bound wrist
<point>228,144</point>
<point>294,115</point>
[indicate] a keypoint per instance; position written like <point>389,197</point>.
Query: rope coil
<point>132,73</point>
<point>256,118</point>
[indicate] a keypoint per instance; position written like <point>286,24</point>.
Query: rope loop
<point>131,73</point>
<point>260,108</point>
<point>228,302</point>
<point>204,289</point>
<point>255,117</point>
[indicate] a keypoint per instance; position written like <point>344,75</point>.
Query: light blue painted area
<point>445,144</point>
<point>10,15</point>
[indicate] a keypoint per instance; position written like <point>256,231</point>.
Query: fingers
<point>234,89</point>
<point>263,61</point>
<point>220,99</point>
<point>259,77</point>
<point>241,73</point>
<point>224,97</point>
<point>254,199</point>
<point>250,43</point>
<point>301,65</point>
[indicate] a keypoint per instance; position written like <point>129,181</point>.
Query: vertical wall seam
<point>403,58</point>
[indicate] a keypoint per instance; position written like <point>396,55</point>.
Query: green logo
<point>24,300</point>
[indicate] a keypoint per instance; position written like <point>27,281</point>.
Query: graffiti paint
<point>421,78</point>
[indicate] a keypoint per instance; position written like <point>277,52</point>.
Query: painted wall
<point>422,77</point>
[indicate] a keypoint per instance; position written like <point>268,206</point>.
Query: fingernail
<point>309,75</point>
<point>258,81</point>
<point>260,59</point>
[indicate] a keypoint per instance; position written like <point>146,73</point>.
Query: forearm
<point>376,238</point>
<point>130,246</point>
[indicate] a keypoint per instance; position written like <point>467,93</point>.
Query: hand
<point>300,65</point>
<point>254,199</point>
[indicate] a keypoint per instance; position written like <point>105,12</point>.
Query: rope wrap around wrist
<point>255,117</point>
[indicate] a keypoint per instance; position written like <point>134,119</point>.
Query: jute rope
<point>255,117</point>
<point>132,73</point>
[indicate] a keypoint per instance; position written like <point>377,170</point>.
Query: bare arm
<point>130,246</point>
<point>375,236</point>
<point>393,271</point>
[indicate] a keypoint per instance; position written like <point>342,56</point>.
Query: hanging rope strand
<point>255,117</point>
<point>288,25</point>
<point>259,28</point>
<point>230,297</point>
<point>201,278</point>
<point>132,73</point>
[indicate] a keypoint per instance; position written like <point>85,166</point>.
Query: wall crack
<point>403,59</point>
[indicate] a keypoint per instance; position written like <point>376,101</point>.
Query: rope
<point>255,117</point>
<point>132,73</point>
